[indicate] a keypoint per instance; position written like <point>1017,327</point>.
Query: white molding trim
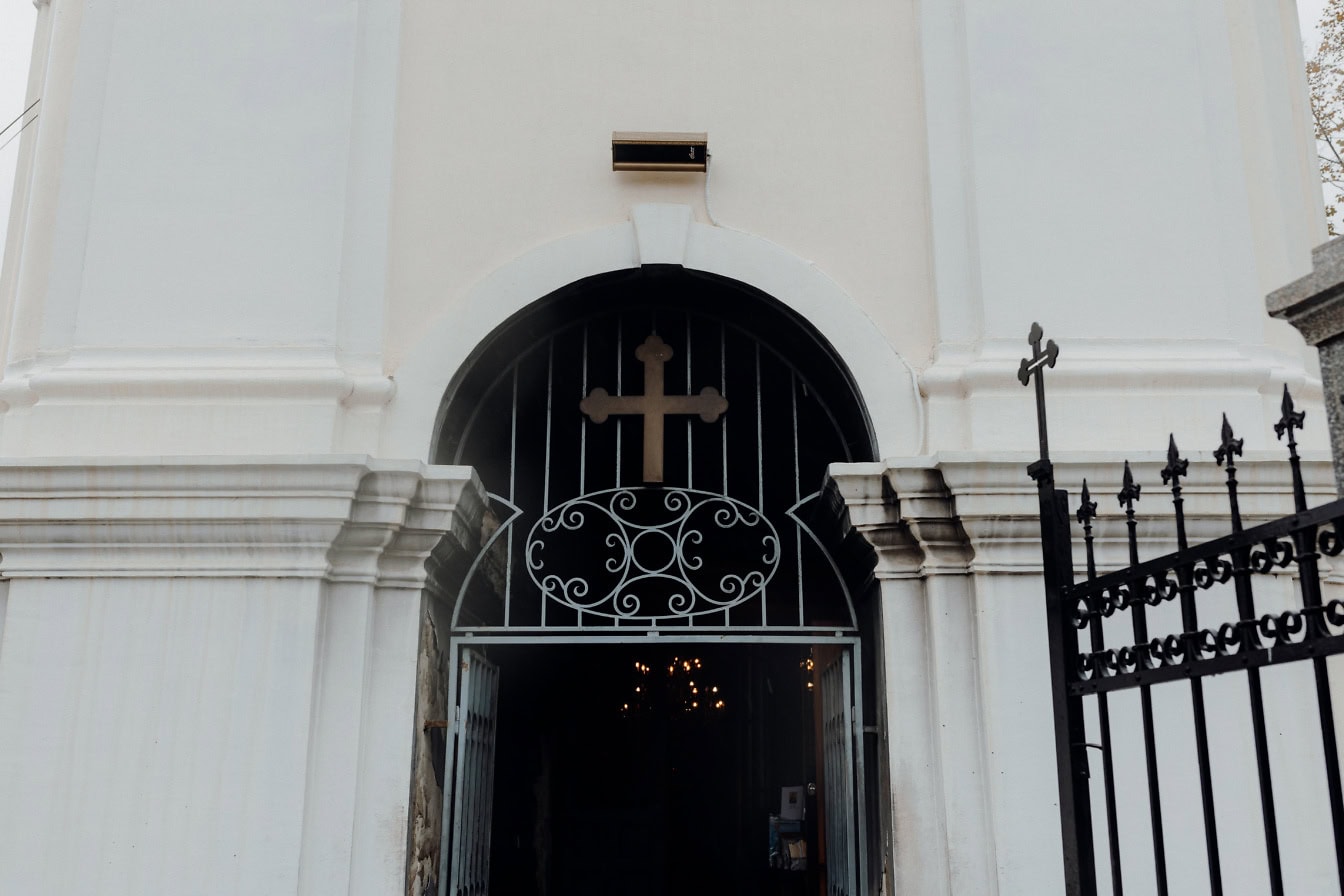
<point>340,519</point>
<point>893,405</point>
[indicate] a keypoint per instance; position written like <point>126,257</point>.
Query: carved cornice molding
<point>339,519</point>
<point>964,512</point>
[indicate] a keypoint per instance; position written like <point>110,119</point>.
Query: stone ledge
<point>1314,304</point>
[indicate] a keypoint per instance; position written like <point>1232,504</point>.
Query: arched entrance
<point>656,652</point>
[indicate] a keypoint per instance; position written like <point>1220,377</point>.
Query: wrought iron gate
<point>656,445</point>
<point>1136,607</point>
<point>473,776</point>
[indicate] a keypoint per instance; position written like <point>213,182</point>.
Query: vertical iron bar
<point>1075,794</point>
<point>1129,493</point>
<point>1226,453</point>
<point>1087,511</point>
<point>690,388</point>
<point>583,432</point>
<point>723,390</point>
<point>797,493</point>
<point>1075,809</point>
<point>723,424</point>
<point>583,418</point>
<point>550,390</point>
<point>760,464</point>
<point>1309,577</point>
<point>513,497</point>
<point>1331,749</point>
<point>1176,468</point>
<point>620,389</point>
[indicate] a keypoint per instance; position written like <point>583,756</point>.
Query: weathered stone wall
<point>427,791</point>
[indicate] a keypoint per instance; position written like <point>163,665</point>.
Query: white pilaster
<point>226,653</point>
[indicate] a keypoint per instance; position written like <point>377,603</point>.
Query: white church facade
<point>396,499</point>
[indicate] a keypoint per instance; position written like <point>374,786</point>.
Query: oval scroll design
<point>652,553</point>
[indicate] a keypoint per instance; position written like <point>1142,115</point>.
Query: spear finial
<point>1087,508</point>
<point>1229,448</point>
<point>1291,419</point>
<point>1129,493</point>
<point>1176,466</point>
<point>1129,490</point>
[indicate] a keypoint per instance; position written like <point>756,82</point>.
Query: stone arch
<point>658,235</point>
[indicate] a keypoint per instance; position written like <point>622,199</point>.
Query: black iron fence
<point>1117,632</point>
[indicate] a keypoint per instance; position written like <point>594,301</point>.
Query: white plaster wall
<point>814,122</point>
<point>237,224</point>
<point>1132,178</point>
<point>137,711</point>
<point>202,210</point>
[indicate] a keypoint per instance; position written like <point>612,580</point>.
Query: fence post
<point>1314,304</point>
<point>1075,806</point>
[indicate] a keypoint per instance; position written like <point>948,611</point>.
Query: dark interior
<point>616,780</point>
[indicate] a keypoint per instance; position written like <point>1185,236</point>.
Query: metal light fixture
<point>659,151</point>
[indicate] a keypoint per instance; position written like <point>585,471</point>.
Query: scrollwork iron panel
<point>651,553</point>
<point>621,499</point>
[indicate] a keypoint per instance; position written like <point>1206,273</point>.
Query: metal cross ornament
<point>653,405</point>
<point>1034,367</point>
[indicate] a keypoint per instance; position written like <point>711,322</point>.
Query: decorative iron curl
<point>1204,643</point>
<point>1211,571</point>
<point>735,587</point>
<point>1163,588</point>
<point>622,558</point>
<point>1281,629</point>
<point>1084,611</point>
<point>677,501</point>
<point>1331,541</point>
<point>1168,651</point>
<point>1126,659</point>
<point>573,589</point>
<point>1228,640</point>
<point>1334,613</point>
<point>1274,552</point>
<point>1110,602</point>
<point>627,604</point>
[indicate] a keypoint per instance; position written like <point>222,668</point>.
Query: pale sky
<point>17,18</point>
<point>1308,14</point>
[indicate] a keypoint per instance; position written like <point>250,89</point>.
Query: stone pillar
<point>1314,304</point>
<point>940,842</point>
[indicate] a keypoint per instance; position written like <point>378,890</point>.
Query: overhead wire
<point>15,135</point>
<point>18,132</point>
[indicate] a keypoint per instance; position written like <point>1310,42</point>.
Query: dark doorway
<point>656,443</point>
<point>652,770</point>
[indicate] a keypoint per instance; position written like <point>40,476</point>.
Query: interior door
<point>473,776</point>
<point>838,749</point>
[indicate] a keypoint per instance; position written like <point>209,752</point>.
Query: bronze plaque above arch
<point>655,445</point>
